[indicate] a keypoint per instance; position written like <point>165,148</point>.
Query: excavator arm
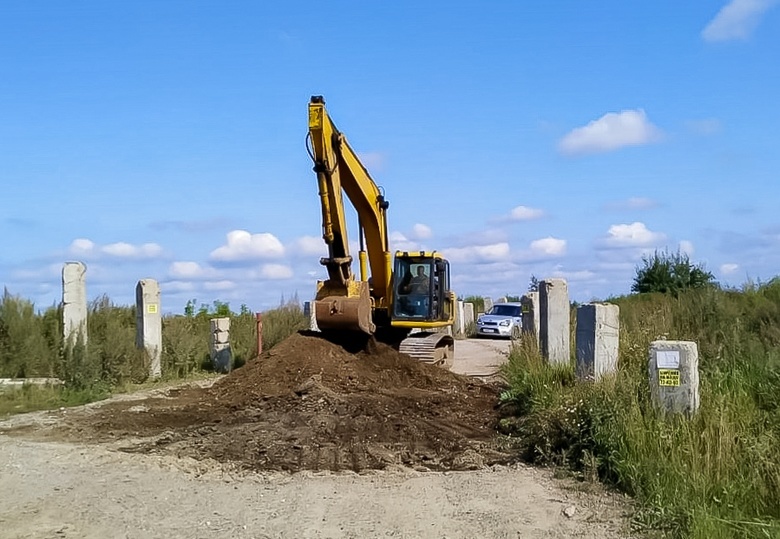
<point>344,302</point>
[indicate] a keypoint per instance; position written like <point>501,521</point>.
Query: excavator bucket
<point>344,308</point>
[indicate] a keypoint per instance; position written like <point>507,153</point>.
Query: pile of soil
<point>312,404</point>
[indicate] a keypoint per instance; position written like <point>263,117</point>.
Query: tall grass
<point>715,475</point>
<point>31,345</point>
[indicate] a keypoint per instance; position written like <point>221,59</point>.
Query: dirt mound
<point>358,365</point>
<point>313,404</point>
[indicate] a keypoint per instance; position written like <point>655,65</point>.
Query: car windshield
<point>505,310</point>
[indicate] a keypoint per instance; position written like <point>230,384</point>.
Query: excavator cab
<point>421,288</point>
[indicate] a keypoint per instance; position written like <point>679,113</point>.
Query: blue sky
<point>165,140</point>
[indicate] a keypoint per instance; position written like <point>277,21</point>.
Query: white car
<point>503,320</point>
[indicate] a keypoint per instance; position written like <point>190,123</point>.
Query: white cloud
<point>736,20</point>
<point>707,126</point>
<point>120,249</point>
<point>480,237</point>
<point>310,246</point>
<point>729,269</point>
<point>241,245</point>
<point>631,235</point>
<point>633,203</point>
<point>38,273</point>
<point>400,242</point>
<point>126,250</point>
<point>478,253</point>
<point>373,160</point>
<point>524,213</point>
<point>421,232</point>
<point>686,247</point>
<point>178,286</point>
<point>548,247</point>
<point>185,270</point>
<point>83,247</point>
<point>612,131</point>
<point>486,274</point>
<point>575,276</point>
<point>275,272</point>
<point>219,285</point>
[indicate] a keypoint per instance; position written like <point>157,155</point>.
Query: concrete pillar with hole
<point>148,333</point>
<point>74,303</point>
<point>554,321</point>
<point>597,339</point>
<point>221,354</point>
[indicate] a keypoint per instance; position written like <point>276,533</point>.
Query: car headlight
<point>505,323</point>
<point>479,320</point>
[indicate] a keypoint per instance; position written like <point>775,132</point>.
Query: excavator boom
<point>344,302</point>
<point>375,304</point>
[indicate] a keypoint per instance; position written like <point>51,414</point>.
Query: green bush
<point>669,273</point>
<point>24,340</point>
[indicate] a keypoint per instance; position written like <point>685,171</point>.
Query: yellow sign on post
<point>151,308</point>
<point>668,377</point>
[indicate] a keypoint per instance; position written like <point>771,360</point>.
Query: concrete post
<point>597,338</point>
<point>501,300</point>
<point>460,326</point>
<point>259,319</point>
<point>221,355</point>
<point>148,327</point>
<point>530,306</point>
<point>309,312</point>
<point>554,323</point>
<point>468,316</point>
<point>488,304</point>
<point>673,367</point>
<point>74,303</point>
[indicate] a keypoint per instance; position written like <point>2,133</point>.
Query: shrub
<point>280,323</point>
<point>669,273</point>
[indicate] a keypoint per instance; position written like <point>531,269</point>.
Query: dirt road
<point>84,486</point>
<point>480,357</point>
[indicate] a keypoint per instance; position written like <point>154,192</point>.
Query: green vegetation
<point>669,273</point>
<point>31,345</point>
<point>30,397</point>
<point>478,301</point>
<point>716,475</point>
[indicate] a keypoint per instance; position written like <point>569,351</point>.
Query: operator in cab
<point>420,283</point>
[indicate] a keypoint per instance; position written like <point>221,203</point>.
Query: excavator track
<point>434,348</point>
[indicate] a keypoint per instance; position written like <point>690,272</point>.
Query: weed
<point>716,475</point>
<point>31,345</point>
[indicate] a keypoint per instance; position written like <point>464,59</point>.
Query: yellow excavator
<point>406,300</point>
